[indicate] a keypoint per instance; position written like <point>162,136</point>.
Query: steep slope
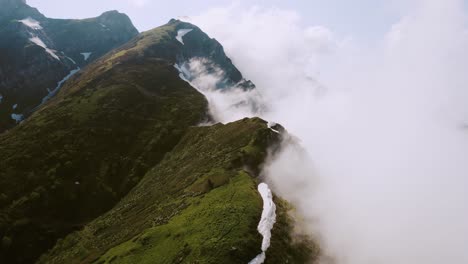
<point>199,205</point>
<point>37,53</point>
<point>184,41</point>
<point>83,150</point>
<point>12,9</point>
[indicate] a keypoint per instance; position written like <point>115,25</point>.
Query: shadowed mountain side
<point>37,53</point>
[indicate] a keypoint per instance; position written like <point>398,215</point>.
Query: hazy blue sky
<point>362,17</point>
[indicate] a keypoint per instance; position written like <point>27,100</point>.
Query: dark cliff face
<point>194,44</point>
<point>199,44</point>
<point>95,35</point>
<point>37,53</point>
<point>12,9</point>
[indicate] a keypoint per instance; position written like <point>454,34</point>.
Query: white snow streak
<point>15,106</point>
<point>59,85</point>
<point>181,33</point>
<point>86,55</point>
<point>267,221</point>
<point>72,60</point>
<point>39,42</point>
<point>31,23</point>
<point>271,125</point>
<point>17,117</point>
<point>259,259</point>
<point>184,73</point>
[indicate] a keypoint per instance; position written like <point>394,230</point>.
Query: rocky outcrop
<point>37,53</point>
<point>12,9</point>
<point>197,44</point>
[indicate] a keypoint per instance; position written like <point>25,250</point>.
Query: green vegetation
<point>114,170</point>
<point>288,246</point>
<point>216,228</point>
<point>83,151</point>
<point>198,205</point>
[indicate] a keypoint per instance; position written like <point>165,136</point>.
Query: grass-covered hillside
<point>199,205</point>
<point>84,150</point>
<point>114,169</point>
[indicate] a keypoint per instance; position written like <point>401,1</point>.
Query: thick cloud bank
<point>379,166</point>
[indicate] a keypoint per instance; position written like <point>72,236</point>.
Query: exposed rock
<point>37,52</point>
<point>199,44</point>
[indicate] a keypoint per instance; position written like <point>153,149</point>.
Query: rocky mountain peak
<point>198,44</point>
<point>17,9</point>
<point>111,13</point>
<point>10,3</point>
<point>115,19</point>
<point>47,51</point>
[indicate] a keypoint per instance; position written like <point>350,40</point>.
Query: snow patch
<point>184,72</point>
<point>259,259</point>
<point>39,42</point>
<point>57,88</point>
<point>86,55</point>
<point>15,106</point>
<point>181,33</point>
<point>31,23</point>
<point>271,125</point>
<point>267,221</point>
<point>72,60</point>
<point>17,117</point>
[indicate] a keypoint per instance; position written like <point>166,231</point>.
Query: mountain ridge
<point>117,159</point>
<point>37,52</point>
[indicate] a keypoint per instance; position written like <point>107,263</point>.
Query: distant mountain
<point>37,54</point>
<point>116,169</point>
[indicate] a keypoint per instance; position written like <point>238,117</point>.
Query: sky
<point>362,17</point>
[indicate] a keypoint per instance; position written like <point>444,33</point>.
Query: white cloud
<point>319,38</point>
<point>381,176</point>
<point>139,3</point>
<point>269,42</point>
<point>226,105</point>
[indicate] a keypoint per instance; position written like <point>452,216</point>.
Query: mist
<point>377,164</point>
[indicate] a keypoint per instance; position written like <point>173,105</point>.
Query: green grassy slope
<point>199,205</point>
<point>113,169</point>
<point>84,150</point>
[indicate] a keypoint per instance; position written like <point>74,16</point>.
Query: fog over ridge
<point>379,169</point>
